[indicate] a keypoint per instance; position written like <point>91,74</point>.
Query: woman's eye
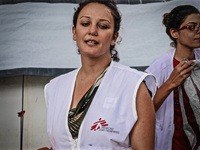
<point>103,26</point>
<point>192,27</point>
<point>85,24</point>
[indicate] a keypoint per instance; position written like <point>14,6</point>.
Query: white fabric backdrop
<point>39,35</point>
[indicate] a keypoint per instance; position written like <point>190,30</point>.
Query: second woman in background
<point>171,70</point>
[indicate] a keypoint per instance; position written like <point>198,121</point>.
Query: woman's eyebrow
<point>99,20</point>
<point>84,17</point>
<point>192,23</point>
<point>105,20</point>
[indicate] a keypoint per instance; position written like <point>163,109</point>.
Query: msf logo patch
<point>97,125</point>
<point>102,125</point>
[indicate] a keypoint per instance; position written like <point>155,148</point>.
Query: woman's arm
<point>177,77</point>
<point>143,133</point>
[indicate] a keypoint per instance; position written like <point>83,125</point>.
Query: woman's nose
<point>93,30</point>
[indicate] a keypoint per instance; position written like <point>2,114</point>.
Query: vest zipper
<point>75,143</point>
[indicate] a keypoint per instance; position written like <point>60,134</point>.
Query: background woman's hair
<point>176,17</point>
<point>111,4</point>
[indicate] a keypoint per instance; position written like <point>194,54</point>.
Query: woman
<point>183,27</point>
<point>103,104</point>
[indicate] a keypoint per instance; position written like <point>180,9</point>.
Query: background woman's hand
<point>180,73</point>
<point>177,77</point>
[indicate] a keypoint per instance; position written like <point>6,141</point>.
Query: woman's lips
<point>91,42</point>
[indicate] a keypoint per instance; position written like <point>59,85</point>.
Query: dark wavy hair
<point>176,17</point>
<point>111,4</point>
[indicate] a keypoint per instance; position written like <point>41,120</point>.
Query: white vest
<point>110,117</point>
<point>162,68</point>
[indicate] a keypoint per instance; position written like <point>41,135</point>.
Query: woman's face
<point>187,37</point>
<point>94,31</point>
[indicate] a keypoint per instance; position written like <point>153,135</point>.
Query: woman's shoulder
<point>132,76</point>
<point>63,77</point>
<point>124,68</point>
<point>127,71</point>
<point>161,63</point>
<point>164,58</point>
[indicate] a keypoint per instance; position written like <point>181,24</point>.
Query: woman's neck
<point>93,68</point>
<point>183,52</point>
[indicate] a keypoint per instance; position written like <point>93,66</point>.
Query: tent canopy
<point>36,38</point>
<point>77,1</point>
